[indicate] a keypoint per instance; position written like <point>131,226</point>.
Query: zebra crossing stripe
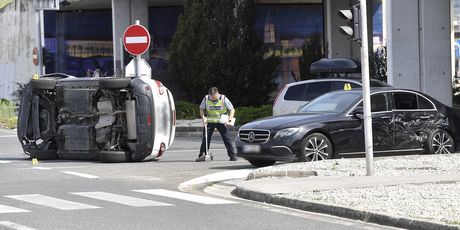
<point>9,209</point>
<point>11,225</point>
<point>80,174</point>
<point>126,200</point>
<point>51,202</point>
<point>185,196</point>
<point>4,162</point>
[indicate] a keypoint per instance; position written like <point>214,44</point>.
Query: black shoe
<point>233,158</point>
<point>200,158</point>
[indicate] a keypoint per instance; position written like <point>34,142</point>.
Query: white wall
<point>419,46</point>
<point>17,23</point>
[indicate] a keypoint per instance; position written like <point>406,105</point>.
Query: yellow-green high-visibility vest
<point>215,109</point>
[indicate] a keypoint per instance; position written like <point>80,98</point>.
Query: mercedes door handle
<point>426,117</point>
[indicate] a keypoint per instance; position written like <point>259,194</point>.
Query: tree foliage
<point>311,51</point>
<point>214,45</point>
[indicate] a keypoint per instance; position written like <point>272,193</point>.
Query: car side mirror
<point>358,112</point>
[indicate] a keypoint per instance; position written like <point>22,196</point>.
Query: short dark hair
<point>213,90</point>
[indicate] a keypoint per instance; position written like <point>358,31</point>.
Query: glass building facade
<point>78,42</point>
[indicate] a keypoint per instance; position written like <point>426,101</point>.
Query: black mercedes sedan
<point>331,126</point>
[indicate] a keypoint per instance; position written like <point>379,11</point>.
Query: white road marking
<point>138,39</point>
<point>8,136</point>
<point>219,176</point>
<point>185,196</point>
<point>80,174</point>
<point>4,162</point>
<point>41,168</point>
<point>52,202</point>
<point>120,199</point>
<point>11,225</point>
<point>9,209</point>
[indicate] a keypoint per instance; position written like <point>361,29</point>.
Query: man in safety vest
<point>213,111</point>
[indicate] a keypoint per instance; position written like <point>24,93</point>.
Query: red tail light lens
<point>149,120</point>
<point>160,87</point>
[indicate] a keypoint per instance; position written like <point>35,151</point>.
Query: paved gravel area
<point>434,202</point>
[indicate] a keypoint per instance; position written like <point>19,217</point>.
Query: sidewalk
<point>414,192</point>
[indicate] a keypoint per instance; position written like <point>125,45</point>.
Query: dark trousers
<point>223,132</point>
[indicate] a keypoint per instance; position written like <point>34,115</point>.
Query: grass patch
<point>8,118</point>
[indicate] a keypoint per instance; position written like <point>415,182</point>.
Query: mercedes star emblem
<point>251,136</point>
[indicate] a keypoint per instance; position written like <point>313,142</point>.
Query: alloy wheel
<point>317,147</point>
<point>442,143</point>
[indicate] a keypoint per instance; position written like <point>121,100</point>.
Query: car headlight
<point>286,132</point>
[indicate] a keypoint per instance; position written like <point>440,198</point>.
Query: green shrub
<point>8,118</point>
<point>246,114</point>
<point>187,111</point>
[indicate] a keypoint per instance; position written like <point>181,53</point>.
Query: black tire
<point>44,83</point>
<point>114,82</point>
<point>315,147</point>
<point>440,142</point>
<point>261,163</point>
<point>114,156</point>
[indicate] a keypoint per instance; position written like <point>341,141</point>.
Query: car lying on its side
<point>331,126</point>
<point>110,119</point>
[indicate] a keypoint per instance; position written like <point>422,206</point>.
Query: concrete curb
<point>365,216</point>
<point>284,173</point>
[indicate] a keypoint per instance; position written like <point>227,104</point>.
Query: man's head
<point>214,93</point>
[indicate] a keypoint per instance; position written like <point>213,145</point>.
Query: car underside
<point>110,119</point>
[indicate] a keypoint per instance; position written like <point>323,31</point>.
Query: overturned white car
<point>107,118</point>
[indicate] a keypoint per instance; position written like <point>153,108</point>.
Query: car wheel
<point>440,142</point>
<point>114,82</point>
<point>43,83</point>
<point>315,147</point>
<point>261,163</point>
<point>114,156</point>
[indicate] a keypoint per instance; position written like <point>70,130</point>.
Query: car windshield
<point>335,102</point>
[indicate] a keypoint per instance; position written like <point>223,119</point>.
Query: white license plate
<point>251,148</point>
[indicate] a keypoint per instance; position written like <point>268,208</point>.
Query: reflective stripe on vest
<point>215,109</point>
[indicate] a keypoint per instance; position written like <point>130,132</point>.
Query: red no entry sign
<point>136,39</point>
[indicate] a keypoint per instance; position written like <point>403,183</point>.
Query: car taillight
<point>279,93</point>
<point>162,149</point>
<point>174,117</point>
<point>149,120</point>
<point>160,87</point>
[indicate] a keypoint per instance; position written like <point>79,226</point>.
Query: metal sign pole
<point>137,58</point>
<point>366,91</point>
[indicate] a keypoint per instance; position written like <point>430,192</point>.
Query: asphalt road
<point>62,194</point>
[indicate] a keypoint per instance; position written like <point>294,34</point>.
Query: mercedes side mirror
<point>358,112</point>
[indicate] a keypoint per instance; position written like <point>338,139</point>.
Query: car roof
<point>350,79</point>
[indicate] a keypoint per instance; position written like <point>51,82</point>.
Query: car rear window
<point>295,93</point>
<point>316,89</point>
<point>405,100</point>
<point>424,103</point>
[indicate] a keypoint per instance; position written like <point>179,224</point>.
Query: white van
<point>295,95</point>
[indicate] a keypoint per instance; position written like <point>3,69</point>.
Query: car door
<point>353,136</point>
<point>414,118</point>
<point>382,125</point>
